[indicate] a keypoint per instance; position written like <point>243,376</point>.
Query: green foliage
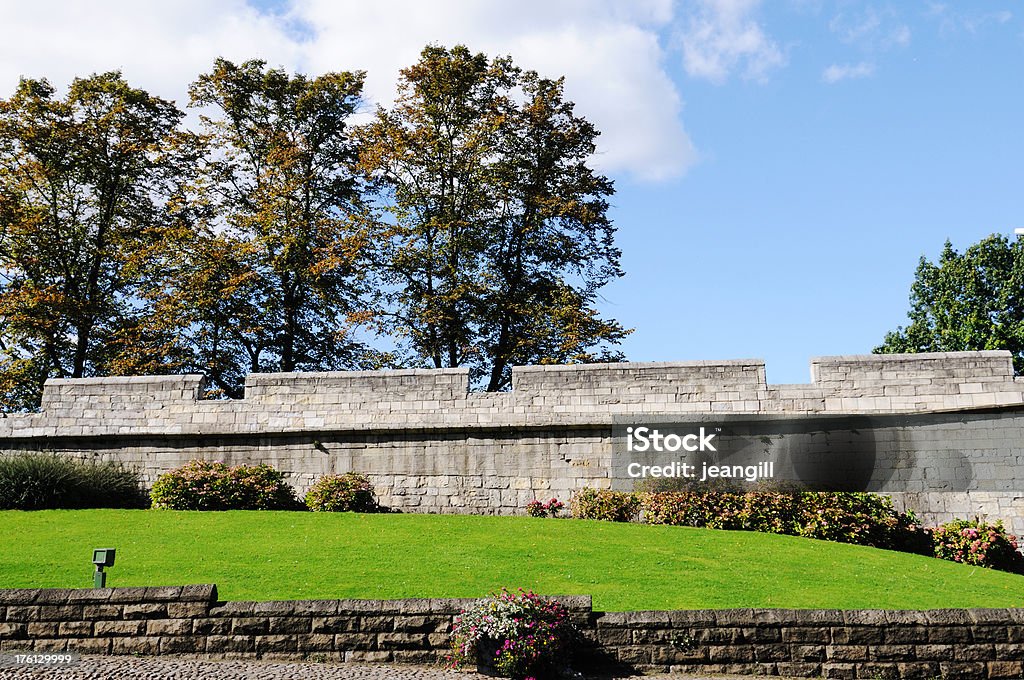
<point>84,181</point>
<point>978,543</point>
<point>40,481</point>
<point>464,224</point>
<point>845,517</point>
<point>615,506</point>
<point>498,238</point>
<point>269,279</point>
<point>967,301</point>
<point>516,635</point>
<point>350,492</point>
<point>203,485</point>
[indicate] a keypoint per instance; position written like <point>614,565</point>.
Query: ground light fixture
<point>102,557</point>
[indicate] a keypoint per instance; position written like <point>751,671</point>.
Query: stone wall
<point>430,444</point>
<point>189,620</point>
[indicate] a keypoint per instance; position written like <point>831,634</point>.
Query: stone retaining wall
<point>428,444</point>
<point>948,643</point>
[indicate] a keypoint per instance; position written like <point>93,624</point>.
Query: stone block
<point>168,627</point>
<point>360,641</point>
<point>276,643</point>
<point>839,671</point>
<point>119,628</point>
<point>953,670</point>
<point>858,635</point>
<point>231,643</point>
<point>148,610</point>
<point>185,644</point>
<point>401,640</point>
<point>292,625</point>
<point>918,670</point>
<point>799,669</point>
<point>146,646</point>
<point>806,635</point>
<point>362,656</point>
<point>46,629</point>
<point>315,643</point>
<point>211,626</point>
<point>90,645</point>
<point>1005,669</point>
<point>186,610</point>
<point>250,626</point>
<point>974,653</point>
<point>69,629</point>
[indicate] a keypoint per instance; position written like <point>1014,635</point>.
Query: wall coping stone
<point>918,356</point>
<point>635,365</point>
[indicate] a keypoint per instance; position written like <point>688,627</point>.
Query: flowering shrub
<point>202,485</point>
<point>616,506</point>
<point>979,543</point>
<point>536,508</point>
<point>342,493</point>
<point>844,517</point>
<point>861,518</point>
<point>517,635</point>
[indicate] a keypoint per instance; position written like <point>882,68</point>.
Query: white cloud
<point>952,21</point>
<point>161,46</point>
<point>722,37</point>
<point>837,72</point>
<point>871,30</point>
<point>609,51</point>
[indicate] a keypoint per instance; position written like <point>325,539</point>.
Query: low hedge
<point>44,481</point>
<point>613,506</point>
<point>203,485</point>
<point>845,517</point>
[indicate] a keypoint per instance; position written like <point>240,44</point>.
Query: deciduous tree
<point>273,280</point>
<point>497,235</point>
<point>967,301</point>
<point>83,179</point>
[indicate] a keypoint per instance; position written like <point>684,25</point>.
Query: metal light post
<point>102,557</point>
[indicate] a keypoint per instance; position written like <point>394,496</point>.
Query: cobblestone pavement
<point>166,668</point>
<point>183,668</point>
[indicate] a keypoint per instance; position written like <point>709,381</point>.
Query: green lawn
<point>295,555</point>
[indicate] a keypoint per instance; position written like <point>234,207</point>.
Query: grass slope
<point>294,555</point>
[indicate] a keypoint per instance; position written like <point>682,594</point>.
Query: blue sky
<point>780,167</point>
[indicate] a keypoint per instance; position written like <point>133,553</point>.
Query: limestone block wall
<point>430,444</point>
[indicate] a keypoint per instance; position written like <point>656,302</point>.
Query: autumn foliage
<point>463,226</point>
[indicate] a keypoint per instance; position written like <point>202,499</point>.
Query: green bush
<point>202,485</point>
<point>350,492</point>
<point>41,481</point>
<point>979,543</point>
<point>843,517</point>
<point>615,506</point>
<point>775,513</point>
<point>863,519</point>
